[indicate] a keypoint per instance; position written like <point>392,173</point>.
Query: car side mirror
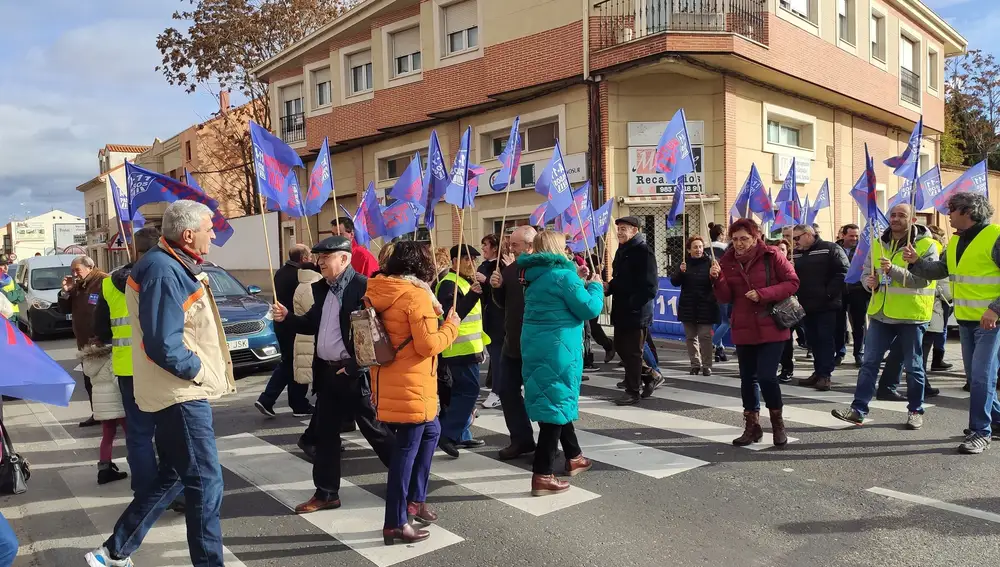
<point>253,290</point>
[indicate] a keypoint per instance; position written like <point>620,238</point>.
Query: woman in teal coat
<point>556,305</point>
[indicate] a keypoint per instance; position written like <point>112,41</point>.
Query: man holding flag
<point>362,260</point>
<point>900,308</point>
<point>972,263</point>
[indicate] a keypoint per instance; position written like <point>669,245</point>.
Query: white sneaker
<point>101,558</point>
<point>492,401</point>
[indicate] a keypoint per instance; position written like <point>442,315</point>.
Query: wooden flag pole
<point>267,245</point>
<point>704,222</point>
<point>582,229</point>
<point>461,229</point>
<point>121,227</point>
<point>503,221</point>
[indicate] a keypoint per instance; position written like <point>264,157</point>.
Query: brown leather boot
<point>753,433</point>
<point>823,384</point>
<point>778,428</point>
<point>546,484</point>
<point>407,533</point>
<point>316,504</point>
<point>810,381</point>
<point>578,465</point>
<point>421,512</point>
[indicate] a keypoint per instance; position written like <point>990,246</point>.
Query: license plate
<point>238,344</point>
<point>69,317</point>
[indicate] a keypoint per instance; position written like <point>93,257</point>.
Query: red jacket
<point>751,322</point>
<point>362,260</point>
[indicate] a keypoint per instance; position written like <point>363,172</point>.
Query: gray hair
<point>87,262</point>
<point>183,215</point>
<point>976,205</point>
<point>804,228</point>
<point>297,252</point>
<point>526,233</point>
<point>145,239</point>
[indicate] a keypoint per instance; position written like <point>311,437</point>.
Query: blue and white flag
<point>37,378</point>
<point>823,197</point>
<point>510,159</point>
<point>856,269</point>
<point>674,158</point>
<point>602,219</point>
<point>369,222</point>
<point>810,214</point>
<point>928,183</point>
<point>974,180</point>
<point>131,220</point>
<point>457,192</point>
<point>147,187</point>
<point>553,183</point>
<point>677,207</point>
<point>790,193</point>
<point>320,181</point>
<point>400,218</point>
<point>905,165</point>
<point>435,179</point>
<point>760,200</point>
<point>410,187</point>
<point>274,161</point>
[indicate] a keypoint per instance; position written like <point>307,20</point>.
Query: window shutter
<point>321,76</point>
<point>291,92</point>
<point>406,42</point>
<point>461,16</point>
<point>359,59</point>
<point>906,54</point>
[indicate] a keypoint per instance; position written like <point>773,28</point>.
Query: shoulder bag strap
<point>367,302</point>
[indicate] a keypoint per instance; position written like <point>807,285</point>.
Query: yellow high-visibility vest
<point>9,288</point>
<point>471,337</point>
<point>121,329</point>
<point>975,281</point>
<point>896,301</point>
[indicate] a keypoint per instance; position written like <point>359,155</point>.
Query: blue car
<point>246,320</point>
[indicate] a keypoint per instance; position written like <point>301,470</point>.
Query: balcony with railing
<point>293,128</point>
<point>909,86</point>
<point>624,21</point>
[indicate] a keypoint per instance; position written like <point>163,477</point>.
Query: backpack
<point>371,342</point>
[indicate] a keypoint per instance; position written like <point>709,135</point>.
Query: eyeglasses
<point>796,238</point>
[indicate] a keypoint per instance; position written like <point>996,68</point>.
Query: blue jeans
<point>8,543</point>
<point>496,359</point>
<point>284,375</point>
<point>979,354</point>
<point>139,429</point>
<point>647,357</point>
<point>721,330</point>
<point>409,469</point>
<point>820,328</point>
<point>189,461</point>
<point>878,340</point>
<point>892,371</point>
<point>464,392</point>
<point>759,367</point>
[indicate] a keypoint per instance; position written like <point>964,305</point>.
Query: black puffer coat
<point>697,302</point>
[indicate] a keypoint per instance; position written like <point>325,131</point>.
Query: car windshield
<point>224,285</point>
<point>43,279</point>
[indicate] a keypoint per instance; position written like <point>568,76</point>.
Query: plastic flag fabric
<point>784,215</point>
<point>553,183</point>
<point>510,158</point>
<point>677,207</point>
<point>274,161</point>
<point>823,197</point>
<point>410,187</point>
<point>929,182</point>
<point>369,222</point>
<point>810,213</point>
<point>320,182</point>
<point>602,219</point>
<point>582,198</point>
<point>37,377</point>
<point>400,218</point>
<point>790,193</point>
<point>457,192</point>
<point>583,238</point>
<point>674,158</point>
<point>860,192</point>
<point>906,165</point>
<point>760,200</point>
<point>974,180</point>
<point>147,187</point>
<point>130,220</point>
<point>855,271</point>
<point>435,179</point>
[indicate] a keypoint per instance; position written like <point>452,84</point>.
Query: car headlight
<point>40,304</point>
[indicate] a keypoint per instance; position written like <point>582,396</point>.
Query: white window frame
<point>279,106</point>
<point>811,23</point>
<point>389,78</point>
<point>881,13</point>
<point>393,152</point>
<point>850,43</point>
<point>916,38</point>
<point>805,123</point>
<point>442,56</point>
<point>933,79</point>
<point>348,95</point>
<point>313,107</point>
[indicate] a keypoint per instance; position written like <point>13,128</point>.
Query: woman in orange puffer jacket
<point>404,391</point>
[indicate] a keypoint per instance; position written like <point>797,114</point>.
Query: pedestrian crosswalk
<point>603,431</point>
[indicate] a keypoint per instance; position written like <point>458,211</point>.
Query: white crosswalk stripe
<point>356,524</point>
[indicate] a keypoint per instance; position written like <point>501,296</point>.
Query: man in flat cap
<point>632,289</point>
<point>342,387</point>
<point>465,355</point>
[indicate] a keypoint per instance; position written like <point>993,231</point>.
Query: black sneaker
<point>627,400</point>
<point>89,422</point>
<point>471,443</point>
<point>890,396</point>
<point>786,376</point>
<point>655,382</point>
<point>995,432</point>
<point>304,412</point>
<point>850,415</point>
<point>266,410</point>
<point>620,385</point>
<point>941,366</point>
<point>108,472</point>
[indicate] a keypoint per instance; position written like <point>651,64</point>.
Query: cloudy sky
<point>78,74</point>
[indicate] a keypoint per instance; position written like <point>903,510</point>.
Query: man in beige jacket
<point>180,361</point>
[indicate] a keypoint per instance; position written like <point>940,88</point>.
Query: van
<point>42,277</point>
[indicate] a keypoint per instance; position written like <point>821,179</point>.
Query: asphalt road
<point>667,488</point>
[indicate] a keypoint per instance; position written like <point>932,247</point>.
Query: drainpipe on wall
<point>586,39</point>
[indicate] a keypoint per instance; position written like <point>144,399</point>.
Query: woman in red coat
<point>751,276</point>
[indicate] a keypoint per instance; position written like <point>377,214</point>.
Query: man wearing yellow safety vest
<point>901,305</point>
<point>10,289</point>
<point>465,355</point>
<point>111,326</point>
<point>972,263</point>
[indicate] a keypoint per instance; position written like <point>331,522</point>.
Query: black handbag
<point>14,469</point>
<point>788,312</point>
